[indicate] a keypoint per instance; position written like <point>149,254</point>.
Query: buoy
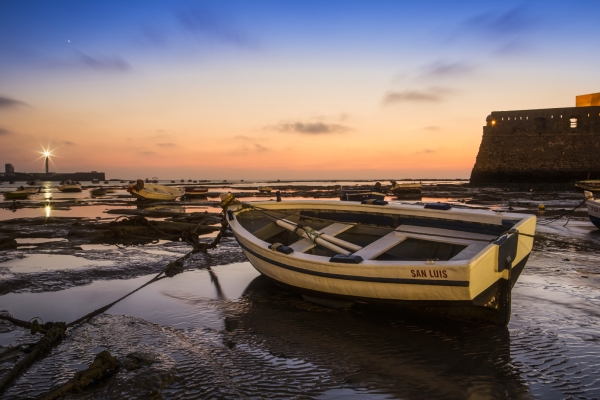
<point>542,207</point>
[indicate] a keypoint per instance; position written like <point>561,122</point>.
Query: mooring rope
<point>55,331</point>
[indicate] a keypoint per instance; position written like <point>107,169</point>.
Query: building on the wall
<point>545,145</point>
<point>9,169</point>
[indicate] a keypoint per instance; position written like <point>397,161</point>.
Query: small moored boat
<point>461,262</point>
<point>404,188</point>
<point>589,185</point>
<point>70,186</point>
<point>265,189</point>
<point>98,192</point>
<point>150,191</point>
<point>19,194</point>
<point>593,207</point>
<point>360,195</point>
<point>193,192</point>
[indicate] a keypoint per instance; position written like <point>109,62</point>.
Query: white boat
<point>593,207</point>
<point>265,189</point>
<point>589,185</point>
<point>70,186</point>
<point>151,191</point>
<point>460,262</point>
<point>409,187</point>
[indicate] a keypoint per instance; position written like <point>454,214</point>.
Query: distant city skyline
<point>280,90</point>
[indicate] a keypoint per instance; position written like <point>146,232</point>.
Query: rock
<point>7,242</point>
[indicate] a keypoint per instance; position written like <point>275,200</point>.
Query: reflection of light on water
<point>47,209</point>
<point>47,194</point>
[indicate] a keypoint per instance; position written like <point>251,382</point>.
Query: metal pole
<point>46,165</point>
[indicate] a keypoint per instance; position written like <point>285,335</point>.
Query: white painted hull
<point>156,192</point>
<point>593,207</point>
<point>463,281</point>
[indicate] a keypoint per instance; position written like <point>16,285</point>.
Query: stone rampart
<point>546,145</point>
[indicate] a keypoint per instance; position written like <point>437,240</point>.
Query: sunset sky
<point>280,89</point>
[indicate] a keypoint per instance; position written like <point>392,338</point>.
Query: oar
<point>322,239</point>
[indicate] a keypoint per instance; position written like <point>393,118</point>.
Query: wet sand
<point>219,330</point>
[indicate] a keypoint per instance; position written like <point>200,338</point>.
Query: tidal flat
<point>220,330</point>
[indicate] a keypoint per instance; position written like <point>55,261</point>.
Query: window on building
<point>573,122</point>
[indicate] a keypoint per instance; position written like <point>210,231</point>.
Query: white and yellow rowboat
<point>150,191</point>
<point>458,261</point>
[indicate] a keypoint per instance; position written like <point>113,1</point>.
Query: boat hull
<point>156,192</point>
<point>21,195</point>
<point>196,193</point>
<point>473,287</point>
<point>399,190</point>
<point>70,188</point>
<point>361,195</point>
<point>593,207</point>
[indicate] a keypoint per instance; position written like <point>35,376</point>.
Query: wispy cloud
<point>66,143</point>
<point>444,68</point>
<point>260,149</point>
<point>169,144</point>
<point>106,63</point>
<point>219,28</point>
<point>310,128</point>
<point>243,137</point>
<point>148,153</point>
<point>425,151</point>
<point>4,131</point>
<point>431,95</point>
<point>515,21</point>
<point>255,148</point>
<point>7,102</point>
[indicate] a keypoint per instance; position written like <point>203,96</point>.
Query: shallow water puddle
<point>50,262</point>
<point>180,301</point>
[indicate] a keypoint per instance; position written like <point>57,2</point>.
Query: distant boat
<point>183,180</point>
<point>34,183</point>
<point>265,189</point>
<point>16,195</point>
<point>360,195</point>
<point>593,207</point>
<point>459,261</point>
<point>98,192</point>
<point>589,185</point>
<point>402,188</point>
<point>192,192</point>
<point>106,182</point>
<point>121,181</point>
<point>172,181</point>
<point>151,191</point>
<point>70,186</point>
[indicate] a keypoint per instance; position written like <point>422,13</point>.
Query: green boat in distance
<point>16,195</point>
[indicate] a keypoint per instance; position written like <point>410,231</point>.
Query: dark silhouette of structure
<point>546,145</point>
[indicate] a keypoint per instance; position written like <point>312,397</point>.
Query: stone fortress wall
<point>545,145</point>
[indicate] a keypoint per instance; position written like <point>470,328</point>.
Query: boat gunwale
<point>374,265</point>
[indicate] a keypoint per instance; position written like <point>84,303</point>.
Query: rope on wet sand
<point>55,331</point>
<point>104,364</point>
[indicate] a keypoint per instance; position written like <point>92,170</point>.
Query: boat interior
<point>380,236</point>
